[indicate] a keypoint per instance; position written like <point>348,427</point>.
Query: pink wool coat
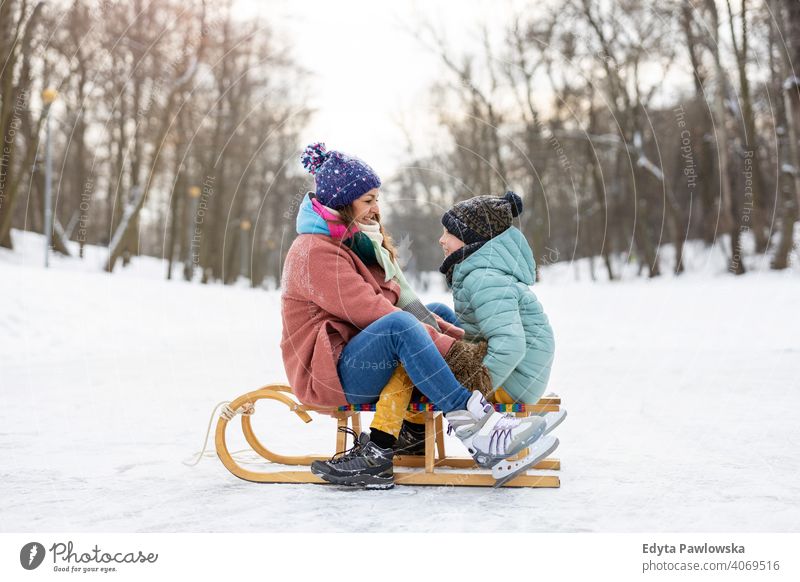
<point>328,296</point>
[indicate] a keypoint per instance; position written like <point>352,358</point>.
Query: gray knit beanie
<point>483,217</point>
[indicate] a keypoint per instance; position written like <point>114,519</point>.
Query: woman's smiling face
<point>365,208</point>
<point>450,243</point>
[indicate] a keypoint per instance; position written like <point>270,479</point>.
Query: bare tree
<point>787,22</point>
<point>18,30</point>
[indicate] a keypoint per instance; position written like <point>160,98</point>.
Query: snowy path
<point>682,394</point>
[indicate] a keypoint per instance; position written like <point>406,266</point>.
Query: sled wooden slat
<point>408,478</point>
<point>430,436</point>
<point>474,480</point>
<point>418,462</point>
<point>435,456</point>
<point>464,463</point>
<point>439,436</point>
<point>545,404</point>
<point>341,437</point>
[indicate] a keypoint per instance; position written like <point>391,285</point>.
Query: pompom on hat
<point>482,218</point>
<point>340,179</point>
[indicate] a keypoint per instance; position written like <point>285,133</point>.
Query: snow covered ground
<point>683,397</point>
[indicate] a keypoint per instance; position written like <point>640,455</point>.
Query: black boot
<point>411,440</point>
<point>364,465</point>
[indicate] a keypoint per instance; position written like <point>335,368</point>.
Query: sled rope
<point>227,413</point>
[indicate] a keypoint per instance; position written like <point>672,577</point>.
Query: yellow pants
<point>392,405</point>
<point>500,396</point>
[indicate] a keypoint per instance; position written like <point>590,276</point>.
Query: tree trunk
<point>641,231</point>
<point>174,213</point>
<point>728,221</point>
<point>15,100</point>
<point>790,160</point>
<point>753,213</point>
<point>119,240</point>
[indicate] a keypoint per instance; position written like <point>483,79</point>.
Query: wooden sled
<point>435,468</point>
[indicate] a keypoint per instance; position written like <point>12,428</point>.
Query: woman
<point>350,319</point>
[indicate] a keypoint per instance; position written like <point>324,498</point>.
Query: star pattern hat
<point>340,178</point>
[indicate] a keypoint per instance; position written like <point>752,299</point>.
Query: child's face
<point>365,208</point>
<point>450,243</point>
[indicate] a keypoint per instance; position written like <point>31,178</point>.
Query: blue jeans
<point>370,358</point>
<point>444,312</point>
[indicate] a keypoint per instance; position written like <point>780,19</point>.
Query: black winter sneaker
<point>410,442</point>
<point>364,465</point>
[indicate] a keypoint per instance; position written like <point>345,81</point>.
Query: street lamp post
<point>271,246</point>
<point>48,96</point>
<point>244,267</point>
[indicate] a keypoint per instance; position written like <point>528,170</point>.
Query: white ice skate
<point>553,419</point>
<point>489,436</point>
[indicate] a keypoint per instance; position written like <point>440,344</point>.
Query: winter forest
<point>150,184</point>
<point>627,126</point>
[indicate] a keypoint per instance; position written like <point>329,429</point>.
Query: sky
<point>371,78</point>
<point>368,72</point>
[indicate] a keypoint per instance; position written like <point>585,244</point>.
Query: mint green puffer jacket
<point>493,301</point>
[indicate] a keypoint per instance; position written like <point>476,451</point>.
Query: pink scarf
<point>338,230</point>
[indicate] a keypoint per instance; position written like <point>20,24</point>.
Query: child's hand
<point>465,360</point>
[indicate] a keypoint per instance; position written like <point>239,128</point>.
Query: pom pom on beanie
<point>313,157</point>
<point>515,201</point>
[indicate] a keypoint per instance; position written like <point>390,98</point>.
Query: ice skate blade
<point>507,470</point>
<point>554,419</point>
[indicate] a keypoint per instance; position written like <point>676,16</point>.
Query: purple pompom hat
<point>340,178</point>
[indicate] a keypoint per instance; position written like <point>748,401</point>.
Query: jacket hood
<point>308,221</point>
<point>508,252</point>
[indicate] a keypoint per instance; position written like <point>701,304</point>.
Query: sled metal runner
<point>434,468</point>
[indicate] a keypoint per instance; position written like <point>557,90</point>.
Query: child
<point>490,267</point>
